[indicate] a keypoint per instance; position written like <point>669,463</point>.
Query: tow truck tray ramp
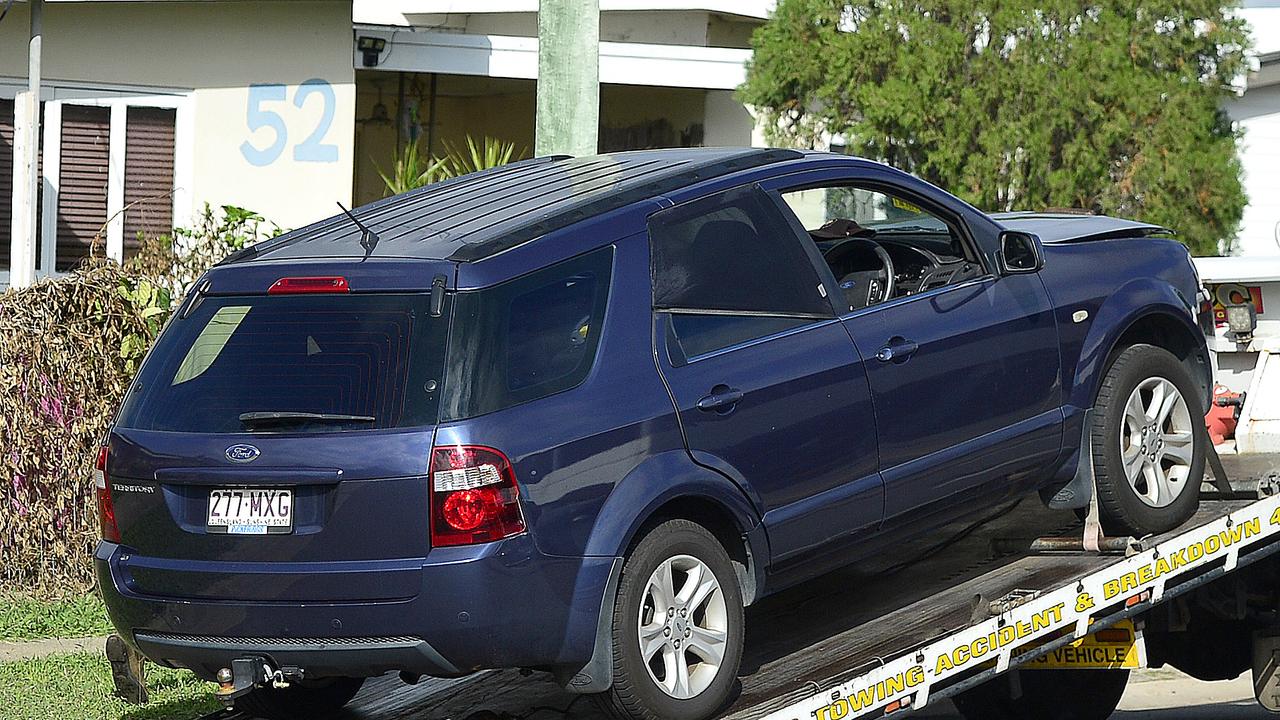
<point>945,617</point>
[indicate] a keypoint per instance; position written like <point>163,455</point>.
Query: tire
<point>1046,695</point>
<point>1136,418</point>
<point>313,701</point>
<point>680,549</point>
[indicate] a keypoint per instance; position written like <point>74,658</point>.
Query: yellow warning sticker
<point>1117,647</point>
<point>904,205</point>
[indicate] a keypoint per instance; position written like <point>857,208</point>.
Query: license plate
<point>1118,647</point>
<point>250,511</point>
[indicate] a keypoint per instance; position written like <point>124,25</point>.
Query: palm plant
<point>412,171</point>
<point>488,153</point>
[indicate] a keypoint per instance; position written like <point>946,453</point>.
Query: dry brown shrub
<point>68,350</point>
<point>63,373</point>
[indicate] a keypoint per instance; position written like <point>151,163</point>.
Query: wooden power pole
<point>568,116</point>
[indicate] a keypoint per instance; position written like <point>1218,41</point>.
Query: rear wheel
<point>312,700</point>
<point>1147,454</point>
<point>677,627</point>
<point>1046,695</point>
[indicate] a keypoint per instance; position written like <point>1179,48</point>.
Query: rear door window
<point>728,269</point>
<point>732,252</point>
<point>367,357</point>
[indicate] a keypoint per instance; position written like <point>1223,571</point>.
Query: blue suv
<point>574,414</point>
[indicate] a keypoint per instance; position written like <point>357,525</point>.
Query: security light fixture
<point>1242,320</point>
<point>371,47</point>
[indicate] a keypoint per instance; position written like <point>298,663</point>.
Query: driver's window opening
<point>879,246</point>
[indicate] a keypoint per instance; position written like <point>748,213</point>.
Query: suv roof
<point>478,215</point>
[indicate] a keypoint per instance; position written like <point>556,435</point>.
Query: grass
<point>25,617</point>
<point>72,687</point>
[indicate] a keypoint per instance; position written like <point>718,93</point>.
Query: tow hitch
<point>248,673</point>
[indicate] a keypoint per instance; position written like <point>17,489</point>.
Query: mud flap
<point>597,675</point>
<point>1078,491</point>
<point>127,672</point>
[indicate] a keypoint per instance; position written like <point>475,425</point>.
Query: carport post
<point>22,243</point>
<point>568,117</point>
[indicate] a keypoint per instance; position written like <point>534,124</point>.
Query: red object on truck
<point>1223,414</point>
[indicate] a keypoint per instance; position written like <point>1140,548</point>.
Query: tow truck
<point>1005,624</point>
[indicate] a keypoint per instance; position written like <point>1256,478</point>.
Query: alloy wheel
<point>1157,444</point>
<point>683,627</point>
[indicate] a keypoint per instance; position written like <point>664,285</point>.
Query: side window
<point>527,338</point>
<point>881,246</point>
<point>728,269</point>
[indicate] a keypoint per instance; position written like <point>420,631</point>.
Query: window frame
<point>118,100</point>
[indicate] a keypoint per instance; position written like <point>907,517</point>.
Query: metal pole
<point>22,249</point>
<point>431,119</point>
<point>568,116</point>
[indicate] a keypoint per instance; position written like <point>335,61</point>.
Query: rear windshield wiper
<point>288,418</point>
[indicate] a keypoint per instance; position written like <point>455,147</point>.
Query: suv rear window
<point>526,338</point>
<point>360,356</point>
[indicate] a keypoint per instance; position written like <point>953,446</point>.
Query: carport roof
<point>474,216</point>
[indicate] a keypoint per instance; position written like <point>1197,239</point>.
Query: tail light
<point>474,498</point>
<point>307,285</point>
<point>106,508</point>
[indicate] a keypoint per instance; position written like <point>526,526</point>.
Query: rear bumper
<point>353,657</point>
<point>498,605</point>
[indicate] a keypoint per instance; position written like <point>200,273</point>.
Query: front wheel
<point>1046,695</point>
<point>677,627</point>
<point>1147,456</point>
<point>309,701</point>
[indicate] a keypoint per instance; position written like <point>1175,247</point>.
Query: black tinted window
<point>693,334</point>
<point>732,252</point>
<point>354,355</point>
<point>527,338</point>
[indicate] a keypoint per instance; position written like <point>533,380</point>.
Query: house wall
<point>267,88</point>
<point>1257,113</point>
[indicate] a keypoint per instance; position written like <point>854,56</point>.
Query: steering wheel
<point>862,288</point>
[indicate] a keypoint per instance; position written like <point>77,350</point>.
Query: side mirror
<point>1020,253</point>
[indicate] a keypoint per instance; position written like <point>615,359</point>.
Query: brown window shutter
<point>82,182</point>
<point>6,180</point>
<point>148,174</point>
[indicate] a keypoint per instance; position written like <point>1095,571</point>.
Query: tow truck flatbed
<point>919,623</point>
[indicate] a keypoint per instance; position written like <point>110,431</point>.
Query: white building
<point>1257,114</point>
<point>162,106</point>
<point>152,109</point>
<point>449,68</point>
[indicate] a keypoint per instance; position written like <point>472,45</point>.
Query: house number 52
<point>258,117</point>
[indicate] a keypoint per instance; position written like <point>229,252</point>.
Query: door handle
<point>898,349</point>
<point>722,399</point>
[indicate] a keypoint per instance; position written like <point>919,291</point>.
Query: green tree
<point>1014,104</point>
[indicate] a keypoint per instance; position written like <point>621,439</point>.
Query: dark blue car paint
<point>813,471</point>
<point>811,490</point>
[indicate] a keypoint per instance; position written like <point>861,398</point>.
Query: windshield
<point>300,363</point>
